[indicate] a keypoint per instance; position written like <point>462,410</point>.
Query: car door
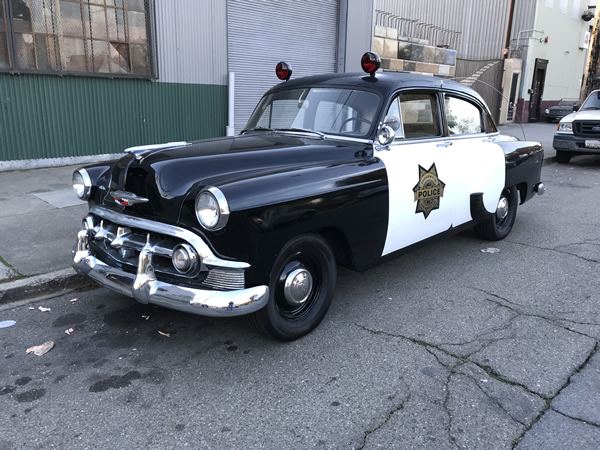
<point>431,175</point>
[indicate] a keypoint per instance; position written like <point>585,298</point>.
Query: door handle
<point>445,144</point>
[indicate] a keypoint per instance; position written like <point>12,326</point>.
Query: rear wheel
<point>563,157</point>
<point>504,218</point>
<point>301,288</point>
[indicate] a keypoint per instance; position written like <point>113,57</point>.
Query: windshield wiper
<point>256,129</point>
<point>301,130</point>
<point>590,107</point>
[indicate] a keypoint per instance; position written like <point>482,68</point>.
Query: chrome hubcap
<point>298,286</point>
<point>502,209</point>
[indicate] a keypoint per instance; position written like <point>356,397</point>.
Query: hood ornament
<point>125,198</point>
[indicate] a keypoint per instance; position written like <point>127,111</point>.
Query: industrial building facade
<point>83,78</point>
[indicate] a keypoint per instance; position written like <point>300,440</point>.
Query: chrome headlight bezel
<point>565,127</point>
<point>212,209</point>
<point>82,184</point>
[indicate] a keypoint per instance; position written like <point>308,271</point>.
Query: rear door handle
<point>445,144</point>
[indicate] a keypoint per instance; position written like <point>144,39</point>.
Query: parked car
<point>341,169</point>
<point>565,106</point>
<point>579,132</point>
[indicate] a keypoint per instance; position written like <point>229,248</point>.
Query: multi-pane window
<point>76,36</point>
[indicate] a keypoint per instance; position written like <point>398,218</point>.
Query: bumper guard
<point>145,288</point>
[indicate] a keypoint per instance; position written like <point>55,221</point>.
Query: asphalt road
<point>442,348</point>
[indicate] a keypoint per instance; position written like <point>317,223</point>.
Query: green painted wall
<point>49,116</point>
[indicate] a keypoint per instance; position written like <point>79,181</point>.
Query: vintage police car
<point>347,169</point>
<point>579,133</point>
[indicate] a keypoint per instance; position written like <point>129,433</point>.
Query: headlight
<point>212,209</point>
<point>547,111</point>
<point>82,184</point>
<point>567,127</point>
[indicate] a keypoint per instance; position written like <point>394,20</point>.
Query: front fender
<point>269,210</point>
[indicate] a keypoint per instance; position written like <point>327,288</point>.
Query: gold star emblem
<point>428,191</point>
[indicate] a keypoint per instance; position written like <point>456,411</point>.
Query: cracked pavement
<point>446,347</point>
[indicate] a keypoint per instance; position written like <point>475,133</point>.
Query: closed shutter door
<point>263,32</point>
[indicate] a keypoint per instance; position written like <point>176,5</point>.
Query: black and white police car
<point>340,169</point>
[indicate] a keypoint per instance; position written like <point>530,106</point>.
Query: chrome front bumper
<point>145,288</point>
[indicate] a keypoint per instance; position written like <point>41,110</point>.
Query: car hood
<point>588,114</point>
<point>167,176</point>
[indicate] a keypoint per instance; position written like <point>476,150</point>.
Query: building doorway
<point>537,89</point>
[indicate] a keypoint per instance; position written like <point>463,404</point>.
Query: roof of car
<point>384,82</point>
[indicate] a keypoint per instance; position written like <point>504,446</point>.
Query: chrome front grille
<point>123,245</point>
<point>587,128</point>
<point>224,279</point>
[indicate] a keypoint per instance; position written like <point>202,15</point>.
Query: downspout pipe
<point>230,130</point>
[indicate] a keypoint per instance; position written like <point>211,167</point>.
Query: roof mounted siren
<point>370,62</point>
<point>283,71</point>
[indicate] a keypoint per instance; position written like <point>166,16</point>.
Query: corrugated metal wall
<point>263,32</point>
<point>44,116</point>
<point>482,23</point>
<point>359,32</point>
<point>191,39</point>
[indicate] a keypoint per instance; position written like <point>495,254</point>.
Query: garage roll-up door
<point>263,32</point>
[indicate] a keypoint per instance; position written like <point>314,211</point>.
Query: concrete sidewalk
<point>40,217</point>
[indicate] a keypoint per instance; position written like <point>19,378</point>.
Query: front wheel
<point>562,157</point>
<point>301,288</point>
<point>504,217</point>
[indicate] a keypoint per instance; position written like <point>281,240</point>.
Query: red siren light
<point>283,71</point>
<point>370,62</point>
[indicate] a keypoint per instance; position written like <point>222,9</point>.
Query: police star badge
<point>428,191</point>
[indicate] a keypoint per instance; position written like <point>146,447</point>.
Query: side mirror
<point>385,135</point>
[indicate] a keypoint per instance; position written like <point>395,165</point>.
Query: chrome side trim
<point>346,138</point>
<point>205,253</point>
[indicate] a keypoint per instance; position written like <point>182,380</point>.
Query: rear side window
<point>463,117</point>
<point>415,116</point>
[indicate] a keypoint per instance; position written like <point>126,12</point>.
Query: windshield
<point>567,102</point>
<point>592,102</point>
<point>325,110</point>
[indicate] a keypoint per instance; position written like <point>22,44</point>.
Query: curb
<point>45,285</point>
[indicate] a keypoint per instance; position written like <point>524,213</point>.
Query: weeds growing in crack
<point>491,372</point>
<point>549,400</point>
<point>553,320</point>
<point>559,251</point>
<point>587,422</point>
<point>386,420</point>
<point>451,438</point>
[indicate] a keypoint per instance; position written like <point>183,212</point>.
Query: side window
<point>462,117</point>
<point>414,116</point>
<point>420,115</point>
<point>393,120</point>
